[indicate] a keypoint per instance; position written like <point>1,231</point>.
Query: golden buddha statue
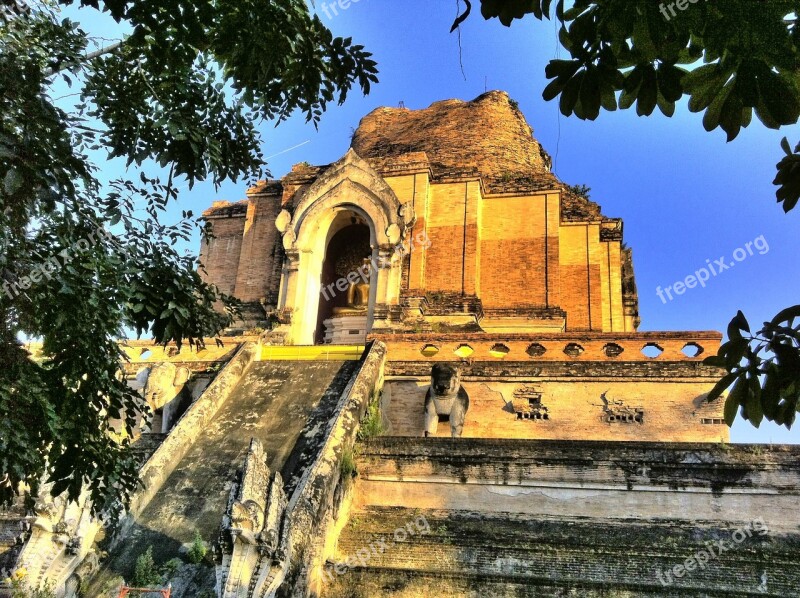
<point>357,292</point>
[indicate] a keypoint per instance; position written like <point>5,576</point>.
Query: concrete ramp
<point>282,404</point>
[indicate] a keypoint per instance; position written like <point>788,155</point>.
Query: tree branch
<point>90,56</point>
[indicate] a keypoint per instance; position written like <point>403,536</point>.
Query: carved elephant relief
<point>162,386</point>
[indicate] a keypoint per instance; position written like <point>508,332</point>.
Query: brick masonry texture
<point>439,132</point>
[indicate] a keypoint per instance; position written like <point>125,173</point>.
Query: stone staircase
<point>274,402</point>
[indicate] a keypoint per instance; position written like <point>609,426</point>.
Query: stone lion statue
<point>446,397</point>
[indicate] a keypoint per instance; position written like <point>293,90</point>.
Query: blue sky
<point>686,195</point>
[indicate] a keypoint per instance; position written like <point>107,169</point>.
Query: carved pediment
<point>349,182</point>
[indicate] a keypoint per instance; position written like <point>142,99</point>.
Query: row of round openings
<point>464,351</point>
<point>691,350</point>
<point>499,351</point>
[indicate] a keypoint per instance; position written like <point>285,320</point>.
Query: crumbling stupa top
<point>488,136</point>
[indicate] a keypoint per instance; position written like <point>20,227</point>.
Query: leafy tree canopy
<point>182,94</point>
<point>731,59</point>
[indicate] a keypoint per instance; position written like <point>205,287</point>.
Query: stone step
<point>513,550</point>
<point>371,582</point>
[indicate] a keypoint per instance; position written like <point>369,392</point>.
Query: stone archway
<point>348,189</point>
<point>346,280</point>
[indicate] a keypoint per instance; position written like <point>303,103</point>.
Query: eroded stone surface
<point>272,403</point>
<point>515,518</point>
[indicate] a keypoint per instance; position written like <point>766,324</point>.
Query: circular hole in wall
<point>536,350</point>
<point>692,350</point>
<point>499,351</point>
<point>652,350</point>
<point>612,350</point>
<point>464,351</point>
<point>573,349</point>
<point>429,350</point>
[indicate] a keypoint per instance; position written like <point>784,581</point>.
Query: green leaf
<point>786,315</point>
<point>733,401</point>
<point>755,413</point>
<point>721,385</point>
<point>714,111</point>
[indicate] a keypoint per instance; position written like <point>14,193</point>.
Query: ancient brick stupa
<point>456,208</point>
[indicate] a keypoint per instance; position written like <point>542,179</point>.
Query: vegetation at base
<point>372,423</point>
<point>348,464</point>
<point>198,550</point>
<point>20,588</point>
<point>171,567</point>
<point>146,573</point>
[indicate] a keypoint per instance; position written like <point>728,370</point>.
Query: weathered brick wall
<point>257,277</point>
<point>608,480</point>
<point>244,259</point>
<point>220,255</point>
<point>583,295</point>
<point>488,133</point>
<point>549,518</point>
<point>499,224</point>
<point>468,555</point>
<point>513,252</point>
<point>445,260</point>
